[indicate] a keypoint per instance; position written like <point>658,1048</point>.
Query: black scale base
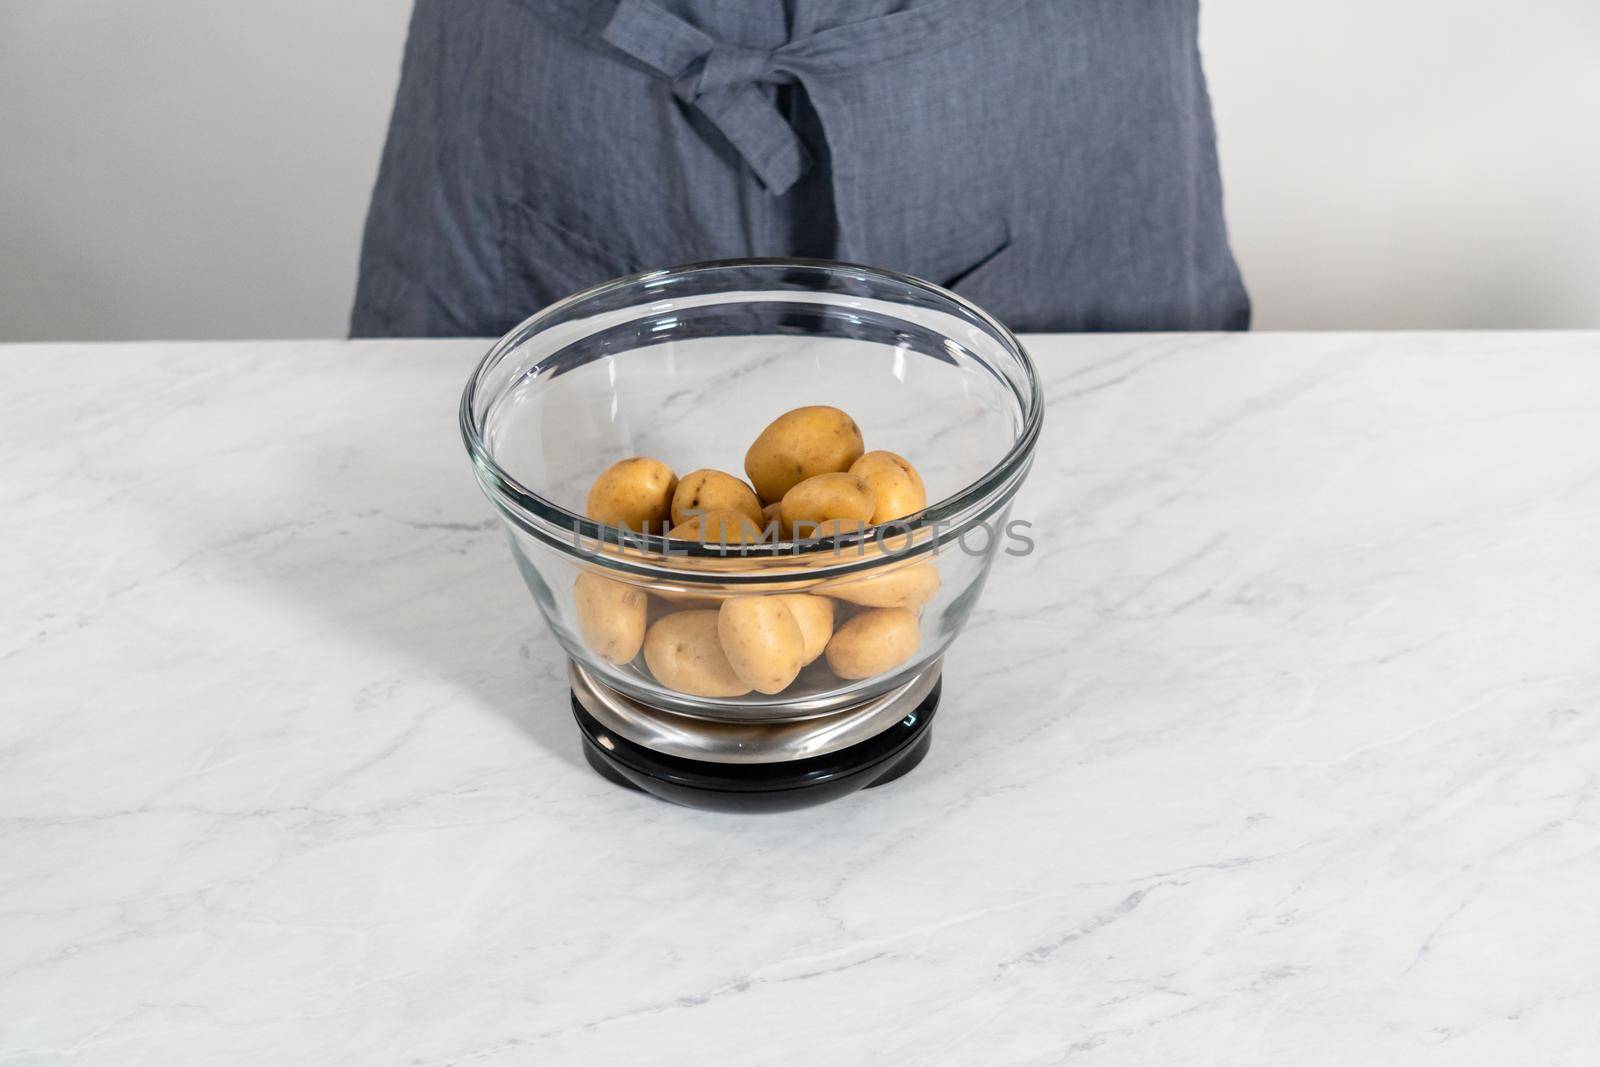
<point>753,787</point>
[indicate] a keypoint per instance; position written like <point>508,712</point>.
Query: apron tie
<point>722,81</point>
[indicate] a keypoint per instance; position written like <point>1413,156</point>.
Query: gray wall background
<point>188,169</point>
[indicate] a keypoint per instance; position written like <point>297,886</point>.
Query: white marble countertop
<point>1284,748</point>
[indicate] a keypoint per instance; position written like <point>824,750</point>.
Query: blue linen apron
<point>1053,160</point>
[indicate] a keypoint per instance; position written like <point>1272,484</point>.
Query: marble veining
<point>1284,747</point>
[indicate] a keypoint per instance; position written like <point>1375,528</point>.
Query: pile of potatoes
<point>809,476</point>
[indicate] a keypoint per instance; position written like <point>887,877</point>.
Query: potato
<point>874,641</point>
<point>814,501</point>
<point>801,444</point>
<point>635,493</point>
<point>772,522</point>
<point>897,488</point>
<point>704,491</point>
<point>671,602</point>
<point>724,527</point>
<point>611,616</point>
<point>815,616</point>
<point>762,640</point>
<point>833,528</point>
<point>909,587</point>
<point>685,654</point>
<point>716,528</point>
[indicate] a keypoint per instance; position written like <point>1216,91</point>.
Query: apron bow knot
<point>722,81</point>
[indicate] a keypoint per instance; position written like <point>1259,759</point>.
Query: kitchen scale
<point>754,766</point>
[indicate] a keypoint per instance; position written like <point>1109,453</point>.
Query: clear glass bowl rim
<point>944,519</point>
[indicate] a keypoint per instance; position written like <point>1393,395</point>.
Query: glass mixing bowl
<point>687,366</point>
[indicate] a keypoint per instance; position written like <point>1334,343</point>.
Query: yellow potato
<point>897,488</point>
<point>815,616</point>
<point>685,654</point>
<point>717,528</point>
<point>723,527</point>
<point>635,493</point>
<point>611,616</point>
<point>910,587</point>
<point>704,491</point>
<point>838,527</point>
<point>801,444</point>
<point>772,522</point>
<point>762,640</point>
<point>712,594</point>
<point>816,500</point>
<point>874,641</point>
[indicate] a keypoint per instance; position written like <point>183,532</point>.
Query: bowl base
<point>781,785</point>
